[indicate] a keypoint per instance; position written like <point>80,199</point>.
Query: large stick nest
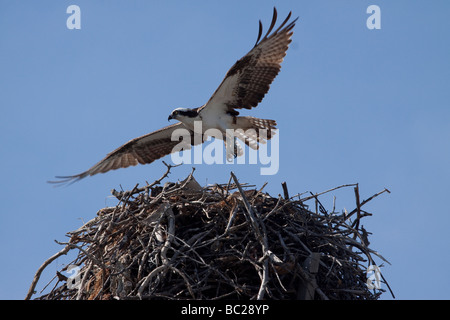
<point>184,241</point>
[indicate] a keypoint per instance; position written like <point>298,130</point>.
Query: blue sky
<point>353,105</point>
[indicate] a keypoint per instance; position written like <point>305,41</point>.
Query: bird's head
<point>182,113</point>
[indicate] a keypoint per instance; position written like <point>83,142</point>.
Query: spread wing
<point>249,79</point>
<point>142,150</point>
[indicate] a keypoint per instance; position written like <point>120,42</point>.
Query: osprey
<point>243,87</point>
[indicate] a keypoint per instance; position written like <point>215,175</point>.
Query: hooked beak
<point>170,118</point>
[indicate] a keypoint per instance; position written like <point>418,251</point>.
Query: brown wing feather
<point>249,79</point>
<point>142,150</point>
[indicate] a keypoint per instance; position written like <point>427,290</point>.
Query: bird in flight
<point>244,86</point>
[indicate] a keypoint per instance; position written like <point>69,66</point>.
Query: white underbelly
<point>221,122</point>
<point>215,120</point>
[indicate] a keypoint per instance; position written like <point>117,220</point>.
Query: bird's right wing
<point>142,150</point>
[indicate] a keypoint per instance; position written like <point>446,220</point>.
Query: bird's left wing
<point>142,150</point>
<point>249,79</point>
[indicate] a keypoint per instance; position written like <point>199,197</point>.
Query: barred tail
<point>253,130</point>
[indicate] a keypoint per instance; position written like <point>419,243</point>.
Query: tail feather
<point>253,131</point>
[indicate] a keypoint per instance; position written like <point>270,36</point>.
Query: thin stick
<point>262,238</point>
<point>365,201</point>
<point>285,190</point>
<point>121,194</point>
<point>358,211</point>
<point>318,194</point>
<point>42,267</point>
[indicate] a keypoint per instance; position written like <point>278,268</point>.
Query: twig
<point>285,190</point>
<point>355,224</point>
<point>329,190</point>
<point>261,235</point>
<point>42,267</point>
<point>121,194</point>
<point>365,201</point>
